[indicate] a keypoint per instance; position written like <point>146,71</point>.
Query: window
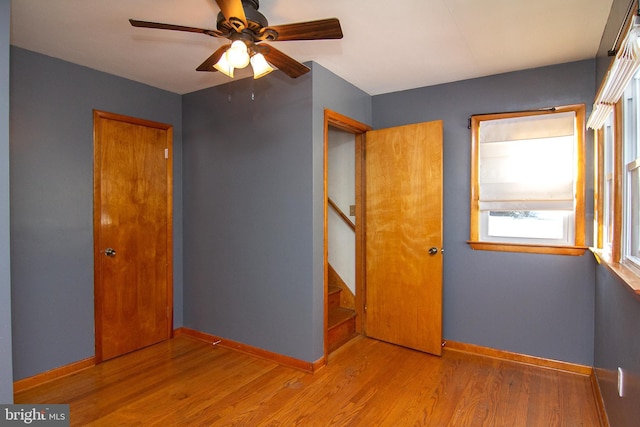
<point>527,181</point>
<point>615,118</point>
<point>618,182</point>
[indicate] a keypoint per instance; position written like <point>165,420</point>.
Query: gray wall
<point>617,344</point>
<point>248,205</point>
<point>617,310</point>
<point>540,305</point>
<point>333,93</point>
<point>6,372</point>
<point>236,247</point>
<point>253,200</point>
<point>51,158</point>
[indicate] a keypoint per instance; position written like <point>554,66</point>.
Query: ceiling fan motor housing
<point>255,20</point>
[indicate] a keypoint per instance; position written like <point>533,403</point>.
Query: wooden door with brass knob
<point>403,217</point>
<point>132,234</point>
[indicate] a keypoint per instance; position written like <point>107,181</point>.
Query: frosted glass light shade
<point>260,66</point>
<point>224,66</point>
<point>238,54</point>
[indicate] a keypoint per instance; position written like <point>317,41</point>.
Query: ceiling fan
<point>247,29</point>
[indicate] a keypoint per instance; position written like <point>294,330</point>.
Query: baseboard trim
<point>597,395</point>
<point>53,374</point>
<point>280,359</point>
<point>520,358</point>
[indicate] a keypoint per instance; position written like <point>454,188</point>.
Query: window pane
<point>608,211</point>
<point>528,224</point>
<point>608,216</point>
<point>634,213</point>
<point>631,208</point>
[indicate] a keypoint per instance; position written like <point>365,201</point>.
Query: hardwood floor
<point>366,383</point>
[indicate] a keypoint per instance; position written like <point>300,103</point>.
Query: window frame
<point>609,250</point>
<point>578,247</point>
<point>612,258</point>
<point>604,183</point>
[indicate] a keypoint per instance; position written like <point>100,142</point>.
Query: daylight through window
<point>527,175</point>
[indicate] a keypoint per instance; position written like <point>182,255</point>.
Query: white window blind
<point>623,68</point>
<point>524,163</point>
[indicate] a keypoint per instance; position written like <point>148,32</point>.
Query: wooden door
<point>132,233</point>
<point>403,220</point>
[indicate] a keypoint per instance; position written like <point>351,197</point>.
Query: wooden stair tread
<point>342,327</point>
<point>334,297</point>
<point>340,315</point>
<point>341,320</point>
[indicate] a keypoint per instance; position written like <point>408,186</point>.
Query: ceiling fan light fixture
<point>238,54</point>
<point>240,22</point>
<point>260,66</point>
<point>224,66</point>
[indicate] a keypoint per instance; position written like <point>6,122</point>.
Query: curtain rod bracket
<point>613,51</point>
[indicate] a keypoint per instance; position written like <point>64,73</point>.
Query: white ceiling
<point>387,46</point>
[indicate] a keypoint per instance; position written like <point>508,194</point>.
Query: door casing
<point>344,123</point>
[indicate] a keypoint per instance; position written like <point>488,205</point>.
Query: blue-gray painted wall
<point>540,305</point>
<point>51,155</point>
<point>333,93</point>
<point>617,344</point>
<point>6,363</point>
<point>253,200</point>
<point>617,310</point>
<point>534,304</point>
<point>248,251</point>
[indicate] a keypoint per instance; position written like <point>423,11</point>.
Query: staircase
<point>342,321</point>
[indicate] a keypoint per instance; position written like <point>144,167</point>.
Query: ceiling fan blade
<point>158,25</point>
<point>310,30</point>
<point>283,62</point>
<point>233,12</point>
<point>208,64</point>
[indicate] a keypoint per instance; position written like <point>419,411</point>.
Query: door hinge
<point>166,153</point>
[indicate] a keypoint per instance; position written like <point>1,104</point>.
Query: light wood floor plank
<point>366,383</point>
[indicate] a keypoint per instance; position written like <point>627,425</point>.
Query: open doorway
<point>398,201</point>
<point>344,229</point>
